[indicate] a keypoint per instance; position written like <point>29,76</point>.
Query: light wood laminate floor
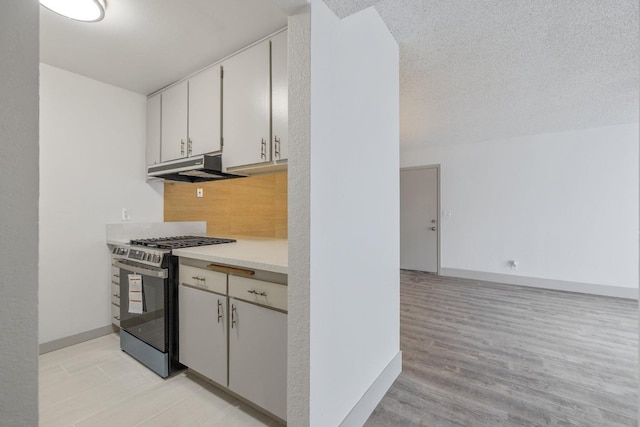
<point>485,354</point>
<point>95,384</point>
<point>474,354</point>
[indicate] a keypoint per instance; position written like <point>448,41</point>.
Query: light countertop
<point>120,242</point>
<point>248,252</point>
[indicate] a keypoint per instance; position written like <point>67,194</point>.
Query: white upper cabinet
<point>246,112</point>
<point>204,112</point>
<point>191,116</point>
<point>279,97</point>
<point>174,121</point>
<point>153,129</point>
<point>238,108</point>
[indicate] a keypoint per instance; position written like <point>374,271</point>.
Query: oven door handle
<point>160,272</point>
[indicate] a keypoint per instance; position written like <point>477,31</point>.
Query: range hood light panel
<point>193,169</point>
<point>200,174</point>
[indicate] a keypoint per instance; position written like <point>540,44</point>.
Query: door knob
<point>433,229</point>
<point>433,221</point>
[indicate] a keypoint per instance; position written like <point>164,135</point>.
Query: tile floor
<point>95,384</point>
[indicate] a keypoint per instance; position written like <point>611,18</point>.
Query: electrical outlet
<point>126,214</point>
<point>199,192</point>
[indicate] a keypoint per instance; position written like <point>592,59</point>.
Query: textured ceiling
<point>143,45</point>
<point>473,70</point>
<point>470,70</point>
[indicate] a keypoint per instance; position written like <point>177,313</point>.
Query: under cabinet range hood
<point>191,169</point>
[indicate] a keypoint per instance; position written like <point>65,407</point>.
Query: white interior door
<point>419,219</point>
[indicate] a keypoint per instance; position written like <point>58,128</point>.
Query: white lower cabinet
<point>115,315</point>
<point>233,330</point>
<point>203,332</point>
<point>115,294</point>
<point>258,355</point>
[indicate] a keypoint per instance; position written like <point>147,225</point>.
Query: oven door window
<point>150,326</point>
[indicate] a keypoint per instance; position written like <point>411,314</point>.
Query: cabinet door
<point>203,332</point>
<point>204,112</point>
<point>174,122</point>
<point>279,96</point>
<point>153,129</point>
<point>245,107</point>
<point>258,356</point>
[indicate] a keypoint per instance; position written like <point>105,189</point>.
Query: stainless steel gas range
<point>149,302</point>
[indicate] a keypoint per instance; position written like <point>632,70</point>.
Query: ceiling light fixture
<point>80,10</point>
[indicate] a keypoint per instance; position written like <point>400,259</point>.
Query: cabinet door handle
<point>219,307</point>
<point>189,147</point>
<point>253,291</point>
<point>233,315</point>
<point>276,141</point>
<point>230,270</point>
<point>263,149</point>
<point>182,148</point>
<point>198,278</point>
<point>117,317</point>
<point>116,295</point>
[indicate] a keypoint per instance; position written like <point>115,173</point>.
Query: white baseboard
<point>46,347</point>
<point>537,282</point>
<point>368,402</point>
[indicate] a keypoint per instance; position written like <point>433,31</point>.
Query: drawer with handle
<point>259,292</point>
<point>115,294</point>
<point>204,279</point>
<point>115,315</point>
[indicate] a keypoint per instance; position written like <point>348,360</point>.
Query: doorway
<point>420,219</point>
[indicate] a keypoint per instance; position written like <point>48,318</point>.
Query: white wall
<point>564,205</point>
<point>298,320</point>
<point>19,213</point>
<point>354,209</point>
<point>92,138</point>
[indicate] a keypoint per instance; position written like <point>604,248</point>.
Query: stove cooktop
<point>176,242</point>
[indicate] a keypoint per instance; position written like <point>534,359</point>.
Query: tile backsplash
<point>252,206</point>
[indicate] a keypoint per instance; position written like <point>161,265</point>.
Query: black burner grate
<point>176,242</point>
